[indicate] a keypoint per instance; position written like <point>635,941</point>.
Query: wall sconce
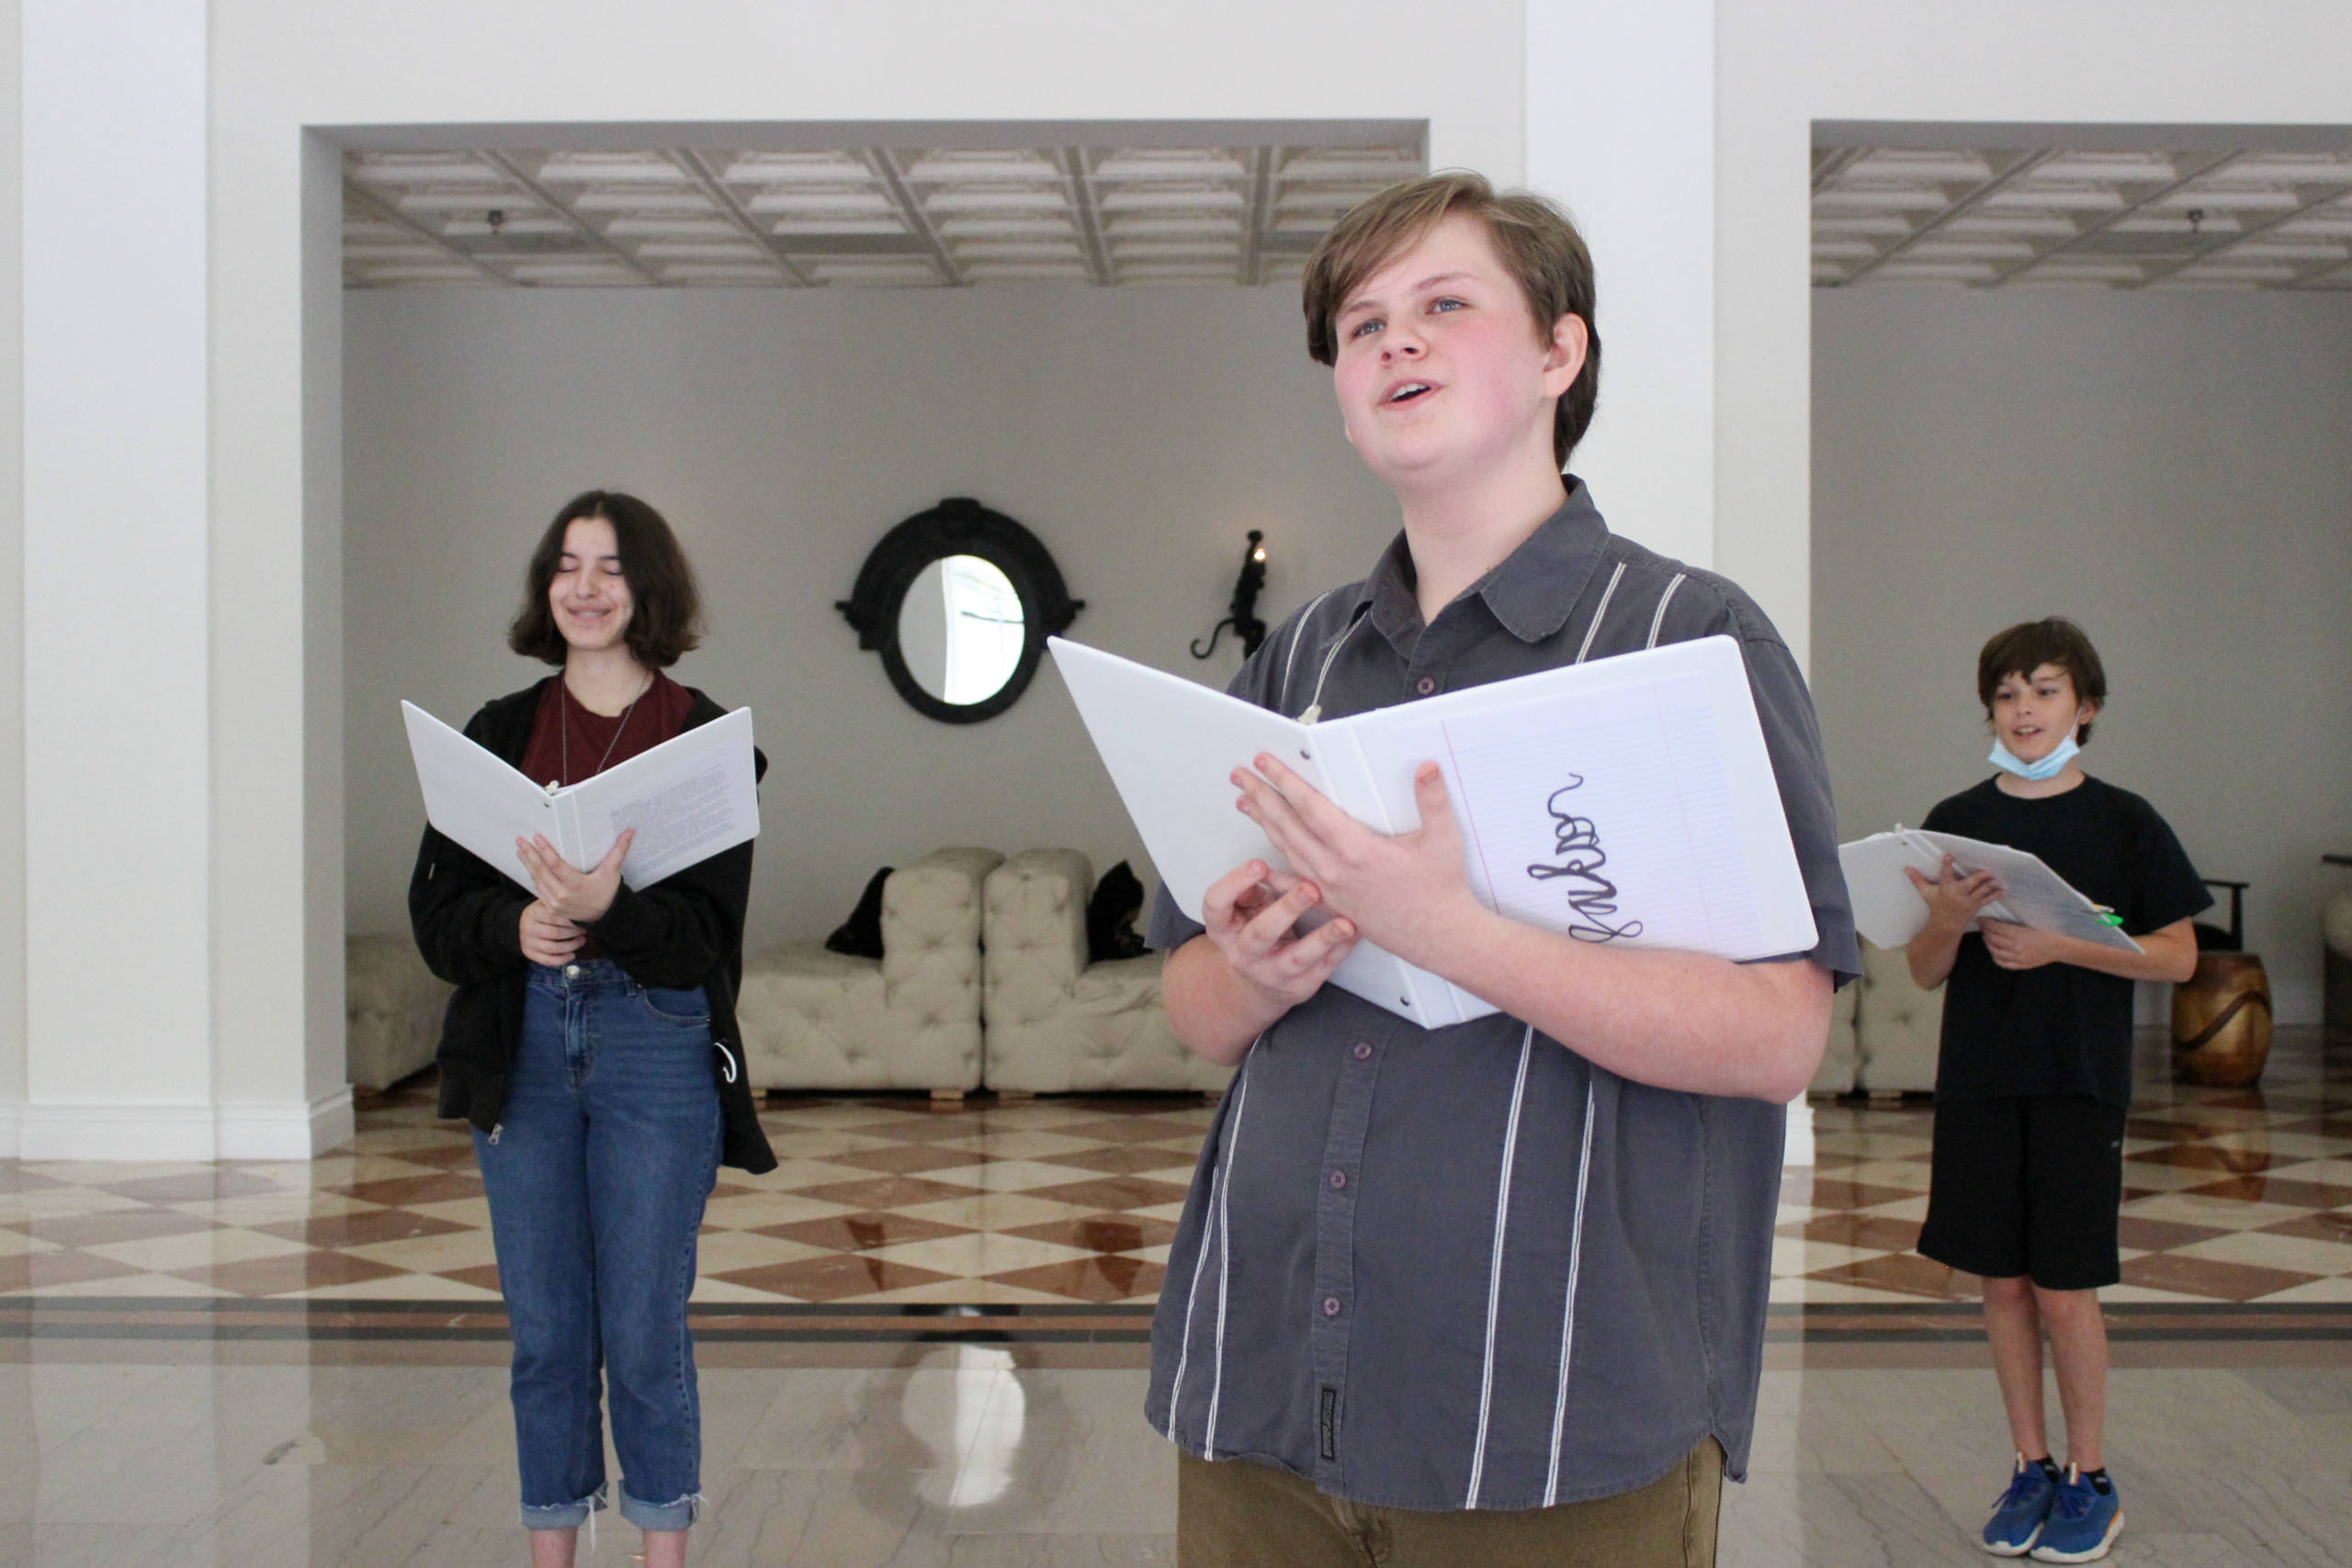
<point>1243,617</point>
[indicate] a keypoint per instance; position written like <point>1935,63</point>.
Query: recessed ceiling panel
<point>2137,213</point>
<point>943,214</point>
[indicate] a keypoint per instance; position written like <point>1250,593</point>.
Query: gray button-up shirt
<point>1465,1268</point>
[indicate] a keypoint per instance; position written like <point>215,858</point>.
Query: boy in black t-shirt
<point>2034,1077</point>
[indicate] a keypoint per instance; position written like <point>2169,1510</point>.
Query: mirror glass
<point>961,629</point>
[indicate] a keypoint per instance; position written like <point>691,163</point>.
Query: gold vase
<point>2221,1021</point>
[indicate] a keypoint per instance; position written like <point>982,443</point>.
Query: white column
<point>117,714</point>
<point>1620,127</point>
<point>12,561</point>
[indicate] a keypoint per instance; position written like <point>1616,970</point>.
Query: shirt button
<point>1330,1306</point>
<point>572,971</point>
<point>1425,685</point>
<point>1338,1179</point>
<point>1363,1050</point>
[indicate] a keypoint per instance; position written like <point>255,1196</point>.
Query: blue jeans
<point>597,1173</point>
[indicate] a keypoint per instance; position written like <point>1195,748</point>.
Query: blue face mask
<point>2050,767</point>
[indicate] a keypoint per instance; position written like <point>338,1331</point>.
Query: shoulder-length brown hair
<point>666,622</point>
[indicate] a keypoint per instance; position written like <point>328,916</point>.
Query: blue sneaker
<point>2083,1521</point>
<point>2019,1513</point>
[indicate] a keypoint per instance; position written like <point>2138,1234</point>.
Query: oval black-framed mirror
<point>959,600</point>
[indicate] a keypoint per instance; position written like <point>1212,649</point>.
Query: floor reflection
<point>966,1406</point>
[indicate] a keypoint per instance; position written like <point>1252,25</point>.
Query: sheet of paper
<point>2031,894</point>
<point>1631,802</point>
<point>688,798</point>
<point>1887,908</point>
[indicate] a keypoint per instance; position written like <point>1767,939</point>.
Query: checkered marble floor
<point>2230,1197</point>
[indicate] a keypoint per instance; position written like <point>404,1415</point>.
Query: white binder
<point>1627,800</point>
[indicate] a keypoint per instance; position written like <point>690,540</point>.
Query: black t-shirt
<point>2059,1029</point>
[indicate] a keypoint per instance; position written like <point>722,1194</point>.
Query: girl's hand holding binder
<point>547,937</point>
<point>579,897</point>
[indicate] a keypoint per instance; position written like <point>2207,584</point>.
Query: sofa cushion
<point>392,1009</point>
<point>1836,1073</point>
<point>1897,1026</point>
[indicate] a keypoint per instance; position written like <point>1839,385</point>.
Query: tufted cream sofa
<point>392,1010</point>
<point>814,1020</point>
<point>1885,1031</point>
<point>1056,1023</point>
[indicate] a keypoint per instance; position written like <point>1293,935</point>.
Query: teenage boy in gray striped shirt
<point>1492,1293</point>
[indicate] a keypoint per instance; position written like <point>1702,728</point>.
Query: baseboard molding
<point>279,1130</point>
<point>1798,1150</point>
<point>265,1130</point>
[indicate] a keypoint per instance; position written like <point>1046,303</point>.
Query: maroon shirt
<point>569,743</point>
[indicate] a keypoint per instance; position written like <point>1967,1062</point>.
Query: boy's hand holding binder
<point>1954,901</point>
<point>2022,947</point>
<point>1254,916</point>
<point>1407,891</point>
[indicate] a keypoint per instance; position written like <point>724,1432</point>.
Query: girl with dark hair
<point>592,1042</point>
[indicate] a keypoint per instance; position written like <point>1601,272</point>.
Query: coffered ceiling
<point>2118,213</point>
<point>860,216</point>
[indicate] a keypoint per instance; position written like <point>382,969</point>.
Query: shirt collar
<point>1531,592</point>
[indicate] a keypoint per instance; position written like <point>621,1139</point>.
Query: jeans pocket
<point>690,1008</point>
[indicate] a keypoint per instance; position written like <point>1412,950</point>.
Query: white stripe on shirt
<point>1594,629</point>
<point>1225,1259</point>
<point>1495,1267</point>
<point>1657,622</point>
<point>1568,1311</point>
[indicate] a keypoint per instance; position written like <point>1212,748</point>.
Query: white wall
<point>1621,106</point>
<point>1782,64</point>
<point>115,581</point>
<point>1137,433</point>
<point>12,554</point>
<point>2173,471</point>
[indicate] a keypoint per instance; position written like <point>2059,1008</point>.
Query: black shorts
<point>2028,1187</point>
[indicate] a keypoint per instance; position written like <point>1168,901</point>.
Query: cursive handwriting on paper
<point>1576,846</point>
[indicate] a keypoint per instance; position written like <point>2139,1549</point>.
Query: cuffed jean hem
<point>565,1516</point>
<point>680,1515</point>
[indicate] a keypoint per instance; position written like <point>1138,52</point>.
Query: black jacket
<point>684,931</point>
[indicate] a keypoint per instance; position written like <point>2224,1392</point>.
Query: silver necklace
<point>563,721</point>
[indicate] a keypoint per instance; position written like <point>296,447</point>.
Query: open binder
<point>688,798</point>
<point>1889,910</point>
<point>1629,800</point>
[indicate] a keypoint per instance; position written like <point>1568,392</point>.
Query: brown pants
<point>1236,1514</point>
